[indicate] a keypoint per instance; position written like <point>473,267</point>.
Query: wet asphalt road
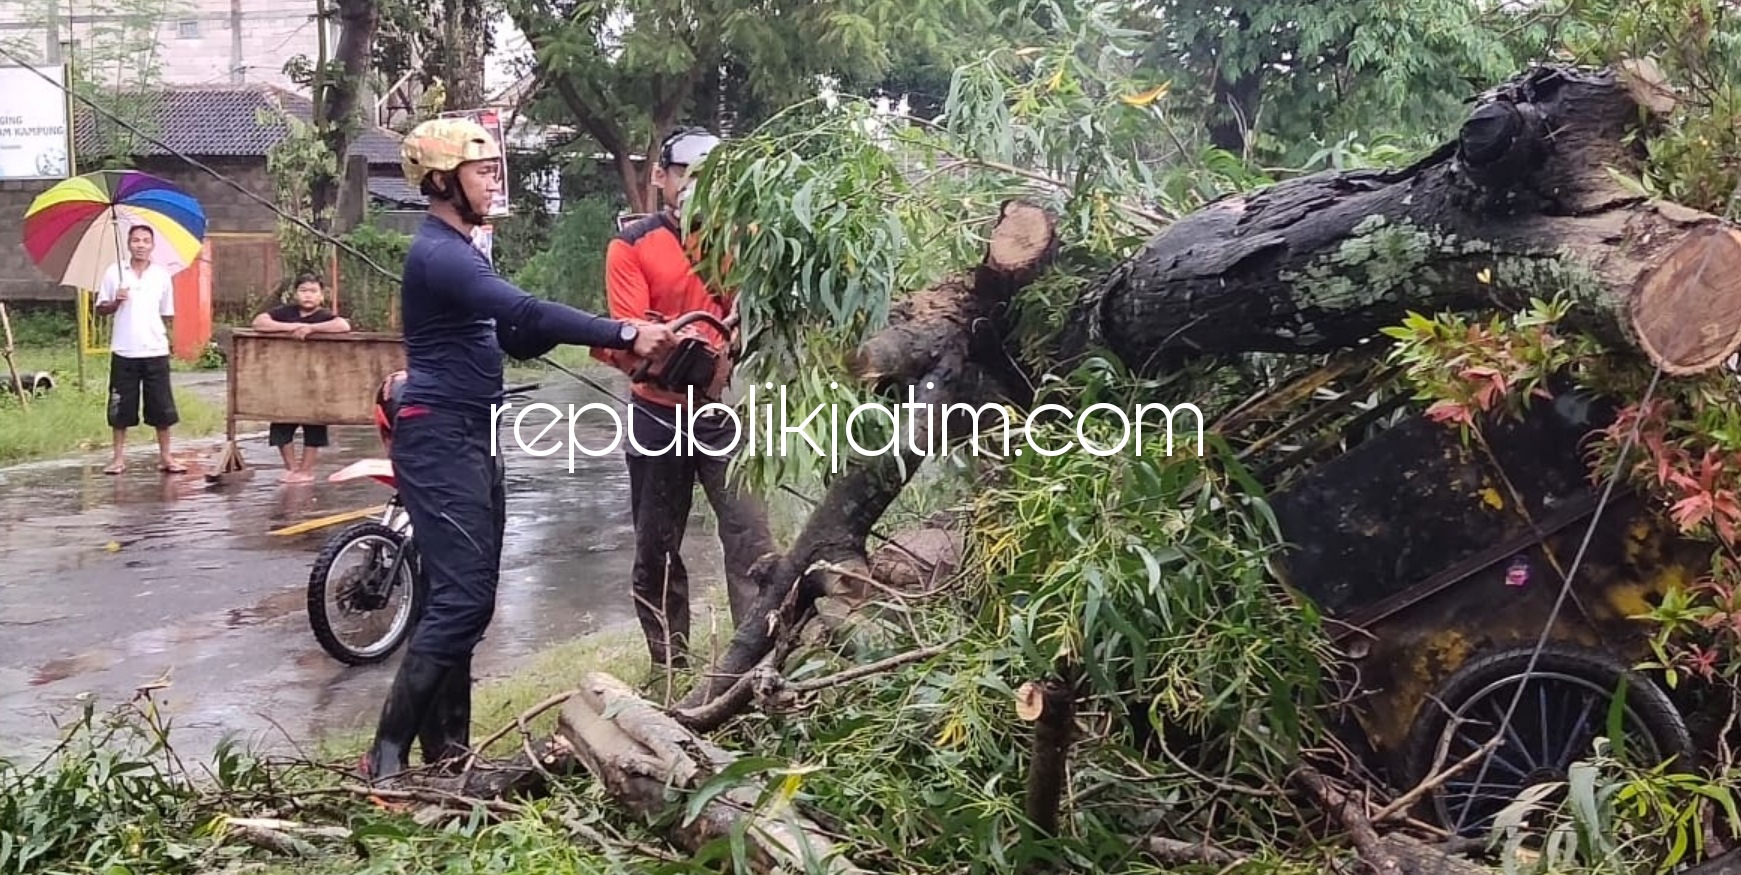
<point>108,583</point>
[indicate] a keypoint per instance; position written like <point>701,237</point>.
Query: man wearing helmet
<point>648,272</point>
<point>459,317</point>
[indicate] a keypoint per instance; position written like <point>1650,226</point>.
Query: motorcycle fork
<point>395,509</point>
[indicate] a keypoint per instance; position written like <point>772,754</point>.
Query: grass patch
<point>574,358</point>
<point>68,420</point>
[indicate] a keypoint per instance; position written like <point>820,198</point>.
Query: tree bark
<point>1521,205</point>
<point>931,349</point>
<point>639,753</point>
<point>1393,854</point>
<point>1051,707</point>
<point>464,37</point>
<point>337,120</point>
<point>1725,864</point>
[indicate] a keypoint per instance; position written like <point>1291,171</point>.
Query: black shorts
<point>132,381</point>
<point>283,432</point>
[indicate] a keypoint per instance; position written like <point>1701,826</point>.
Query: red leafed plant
<point>1468,368</point>
<point>1684,456</point>
<point>1684,451</point>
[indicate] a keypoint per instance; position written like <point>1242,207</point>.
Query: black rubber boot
<point>414,696</point>
<point>446,733</point>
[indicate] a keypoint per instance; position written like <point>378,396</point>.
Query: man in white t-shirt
<point>140,296</point>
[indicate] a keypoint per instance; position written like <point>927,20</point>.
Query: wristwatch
<point>628,333</point>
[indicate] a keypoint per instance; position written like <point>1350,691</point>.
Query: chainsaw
<point>694,362</point>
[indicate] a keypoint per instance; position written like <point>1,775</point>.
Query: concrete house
<point>196,42</point>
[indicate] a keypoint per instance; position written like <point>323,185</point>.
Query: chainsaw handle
<point>724,325</point>
<point>688,319</point>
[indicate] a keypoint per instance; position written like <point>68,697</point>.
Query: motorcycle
<point>390,567</point>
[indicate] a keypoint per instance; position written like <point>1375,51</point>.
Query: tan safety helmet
<point>444,144</point>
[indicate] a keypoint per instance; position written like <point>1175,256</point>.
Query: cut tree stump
<point>1050,706</point>
<point>639,753</point>
<point>1524,204</point>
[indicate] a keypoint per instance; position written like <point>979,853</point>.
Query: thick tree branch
<point>929,350</point>
<point>1523,204</point>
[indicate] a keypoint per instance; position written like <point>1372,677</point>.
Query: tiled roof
<point>396,190</point>
<point>220,121</point>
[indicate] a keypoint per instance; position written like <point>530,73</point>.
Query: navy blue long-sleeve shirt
<point>451,301</point>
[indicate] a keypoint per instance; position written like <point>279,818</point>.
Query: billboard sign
<point>491,119</point>
<point>484,239</point>
<point>35,131</point>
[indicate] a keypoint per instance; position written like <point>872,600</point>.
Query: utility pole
<point>237,74</point>
<point>52,48</point>
<point>69,78</point>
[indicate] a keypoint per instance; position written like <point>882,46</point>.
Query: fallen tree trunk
<point>933,348</point>
<point>638,753</point>
<point>1523,204</point>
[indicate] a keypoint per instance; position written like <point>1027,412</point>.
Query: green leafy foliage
<point>1613,818</point>
<point>1298,74</point>
<point>294,165</point>
<point>1142,578</point>
<point>1133,553</point>
<point>569,267</point>
<point>112,799</point>
<point>706,61</point>
<point>369,298</point>
<point>829,213</point>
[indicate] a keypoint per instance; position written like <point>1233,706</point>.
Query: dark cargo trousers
<point>455,493</point>
<point>661,492</point>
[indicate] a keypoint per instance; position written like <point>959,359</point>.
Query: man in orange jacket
<point>649,276</point>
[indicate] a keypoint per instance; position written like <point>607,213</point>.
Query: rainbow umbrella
<point>77,230</point>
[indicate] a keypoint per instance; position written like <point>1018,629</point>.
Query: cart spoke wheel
<point>1562,707</point>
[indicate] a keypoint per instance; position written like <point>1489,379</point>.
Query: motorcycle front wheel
<point>358,614</point>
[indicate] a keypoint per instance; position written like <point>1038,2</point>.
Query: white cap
<point>690,148</point>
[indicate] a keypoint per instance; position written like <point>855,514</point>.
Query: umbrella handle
<point>115,226</point>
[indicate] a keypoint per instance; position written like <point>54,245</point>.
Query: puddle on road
<point>281,605</point>
<point>112,583</point>
<point>61,669</point>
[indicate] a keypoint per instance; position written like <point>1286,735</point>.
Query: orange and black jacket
<point>648,275</point>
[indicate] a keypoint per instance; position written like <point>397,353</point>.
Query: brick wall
<point>19,278</point>
<point>240,266</point>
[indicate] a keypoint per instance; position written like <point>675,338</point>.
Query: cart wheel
<point>1565,705</point>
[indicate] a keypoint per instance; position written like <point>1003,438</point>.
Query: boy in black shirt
<point>308,315</point>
